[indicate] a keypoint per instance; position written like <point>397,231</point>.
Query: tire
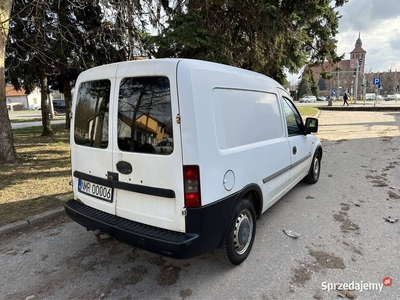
<point>315,169</point>
<point>241,232</point>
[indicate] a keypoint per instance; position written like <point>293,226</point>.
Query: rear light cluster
<point>191,181</point>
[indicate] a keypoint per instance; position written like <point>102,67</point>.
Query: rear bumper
<point>160,241</point>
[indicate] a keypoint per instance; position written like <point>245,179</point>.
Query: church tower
<point>356,54</point>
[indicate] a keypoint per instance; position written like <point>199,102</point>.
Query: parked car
<point>56,112</point>
<point>59,105</point>
<point>307,99</point>
<point>165,146</point>
<point>391,97</point>
<point>321,98</point>
<point>370,96</point>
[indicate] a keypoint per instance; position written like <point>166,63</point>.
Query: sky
<point>378,22</point>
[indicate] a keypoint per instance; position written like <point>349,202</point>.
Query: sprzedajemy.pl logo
<point>359,286</point>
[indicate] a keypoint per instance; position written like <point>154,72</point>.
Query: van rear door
<point>91,147</point>
<point>147,154</point>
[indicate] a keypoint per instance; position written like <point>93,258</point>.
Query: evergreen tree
<point>303,88</point>
<point>322,84</point>
<point>267,36</point>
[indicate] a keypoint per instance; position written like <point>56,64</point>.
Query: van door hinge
<point>178,118</point>
<point>184,212</point>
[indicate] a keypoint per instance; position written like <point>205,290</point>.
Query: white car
<point>165,146</point>
<point>370,96</point>
<point>391,97</point>
<point>308,99</point>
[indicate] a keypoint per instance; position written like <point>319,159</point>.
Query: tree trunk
<point>7,149</point>
<point>45,105</point>
<point>68,102</point>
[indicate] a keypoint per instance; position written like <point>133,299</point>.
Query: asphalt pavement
<point>346,238</point>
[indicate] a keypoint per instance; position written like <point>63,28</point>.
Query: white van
<point>179,157</point>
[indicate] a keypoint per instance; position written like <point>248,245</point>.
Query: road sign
<point>376,81</point>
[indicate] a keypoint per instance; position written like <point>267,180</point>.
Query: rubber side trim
<point>148,190</point>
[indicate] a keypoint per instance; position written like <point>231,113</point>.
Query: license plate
<point>95,190</point>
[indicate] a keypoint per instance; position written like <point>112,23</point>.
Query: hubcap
<point>243,232</point>
<point>316,167</point>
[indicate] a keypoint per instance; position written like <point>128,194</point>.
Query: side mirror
<point>311,125</point>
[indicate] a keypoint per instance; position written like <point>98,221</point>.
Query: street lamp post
<point>364,87</point>
<point>356,81</point>
<point>338,81</point>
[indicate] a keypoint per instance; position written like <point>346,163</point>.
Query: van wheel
<point>313,173</point>
<point>239,240</point>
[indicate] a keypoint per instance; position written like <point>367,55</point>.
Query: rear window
<point>91,114</point>
<point>144,115</point>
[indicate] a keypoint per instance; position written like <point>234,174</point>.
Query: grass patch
<point>307,111</point>
<point>38,181</point>
<point>21,120</point>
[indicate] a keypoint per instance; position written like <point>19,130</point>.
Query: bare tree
<point>7,149</point>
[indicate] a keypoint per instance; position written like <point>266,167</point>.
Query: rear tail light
<point>191,180</point>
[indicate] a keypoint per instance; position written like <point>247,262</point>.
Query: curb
<point>31,221</point>
<point>360,108</point>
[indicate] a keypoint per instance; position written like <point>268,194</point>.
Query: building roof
<point>127,120</point>
<point>358,49</point>
<point>358,41</point>
<point>343,64</point>
<point>11,92</point>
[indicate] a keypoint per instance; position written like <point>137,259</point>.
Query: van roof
<point>188,63</point>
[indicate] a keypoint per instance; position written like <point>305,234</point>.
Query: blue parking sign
<point>376,81</point>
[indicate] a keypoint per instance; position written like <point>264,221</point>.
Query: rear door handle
<point>124,167</point>
<point>294,150</point>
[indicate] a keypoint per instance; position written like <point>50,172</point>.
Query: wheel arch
<point>254,194</point>
<point>319,149</point>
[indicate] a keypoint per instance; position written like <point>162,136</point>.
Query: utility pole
<point>356,81</point>
<point>364,88</point>
<point>338,85</point>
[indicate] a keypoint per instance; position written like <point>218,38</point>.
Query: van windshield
<point>144,115</point>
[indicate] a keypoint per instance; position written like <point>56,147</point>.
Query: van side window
<point>145,116</point>
<point>91,114</point>
<point>293,119</point>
